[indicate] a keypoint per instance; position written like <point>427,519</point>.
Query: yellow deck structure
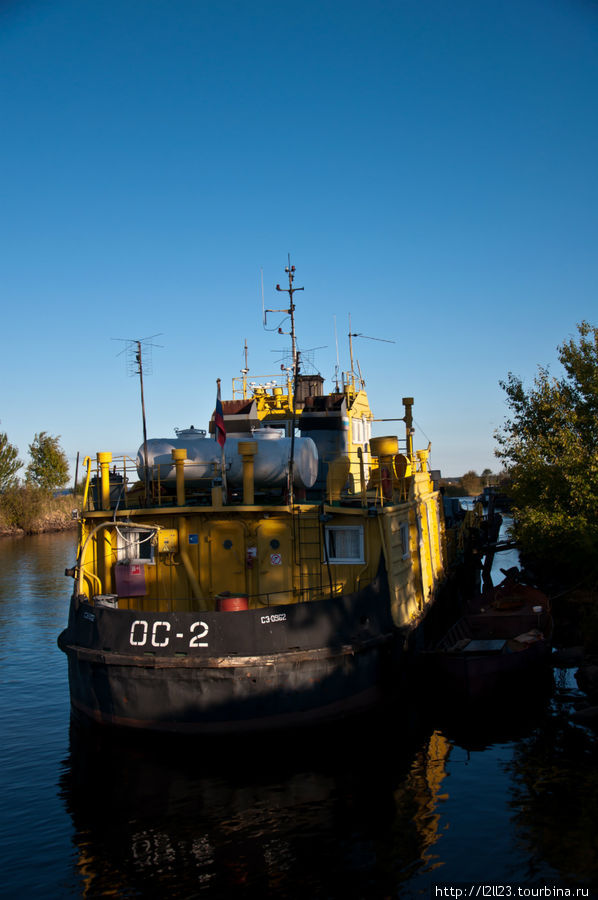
<point>192,547</point>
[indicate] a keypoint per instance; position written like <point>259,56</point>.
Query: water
<point>387,810</point>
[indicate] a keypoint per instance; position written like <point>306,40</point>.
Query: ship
<point>267,573</point>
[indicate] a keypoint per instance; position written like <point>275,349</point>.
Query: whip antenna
<point>134,351</point>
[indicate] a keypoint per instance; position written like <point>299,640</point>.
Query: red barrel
<point>227,602</point>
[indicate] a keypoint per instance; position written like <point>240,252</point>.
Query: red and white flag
<point>220,430</point>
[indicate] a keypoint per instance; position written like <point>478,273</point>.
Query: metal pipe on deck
<point>104,460</point>
<point>179,455</point>
<point>247,451</point>
<point>384,449</point>
<point>187,564</point>
<point>105,540</point>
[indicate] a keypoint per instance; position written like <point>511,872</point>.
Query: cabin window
<point>345,544</point>
<point>357,431</point>
<point>135,546</point>
<point>405,539</point>
<point>361,430</point>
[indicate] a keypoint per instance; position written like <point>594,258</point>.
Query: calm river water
<point>428,796</point>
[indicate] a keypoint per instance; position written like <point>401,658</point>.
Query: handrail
<point>86,461</point>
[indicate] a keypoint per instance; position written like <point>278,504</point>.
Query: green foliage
<point>472,483</point>
<point>9,463</point>
<point>549,447</point>
<point>33,510</point>
<point>48,468</point>
<point>21,506</point>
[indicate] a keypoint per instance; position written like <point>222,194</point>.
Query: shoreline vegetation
<point>25,509</point>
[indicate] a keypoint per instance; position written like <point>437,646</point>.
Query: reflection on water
<point>554,798</point>
<point>35,834</point>
<point>329,815</point>
<point>384,809</point>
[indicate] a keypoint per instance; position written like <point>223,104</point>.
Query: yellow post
<point>179,455</point>
<point>422,455</point>
<point>247,451</point>
<point>104,460</point>
<point>87,464</point>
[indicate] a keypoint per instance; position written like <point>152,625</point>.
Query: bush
<point>33,510</point>
<point>549,447</point>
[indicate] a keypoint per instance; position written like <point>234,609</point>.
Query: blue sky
<point>431,167</point>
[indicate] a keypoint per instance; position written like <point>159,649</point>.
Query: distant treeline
<point>472,485</point>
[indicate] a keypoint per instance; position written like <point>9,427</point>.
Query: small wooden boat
<point>501,644</point>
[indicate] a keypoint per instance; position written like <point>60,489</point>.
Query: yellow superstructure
<point>377,504</point>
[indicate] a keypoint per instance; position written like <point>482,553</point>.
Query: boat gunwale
<point>111,657</point>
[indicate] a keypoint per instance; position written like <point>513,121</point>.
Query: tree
<point>9,463</point>
<point>549,446</point>
<point>472,483</point>
<point>48,468</point>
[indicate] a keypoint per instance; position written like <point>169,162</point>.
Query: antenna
<point>245,372</point>
<point>338,365</point>
<point>354,334</point>
<point>290,270</point>
<point>351,350</point>
<point>134,355</point>
<point>368,338</point>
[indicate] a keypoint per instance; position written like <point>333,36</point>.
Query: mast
<point>351,336</point>
<point>290,270</point>
<point>244,373</point>
<point>145,468</point>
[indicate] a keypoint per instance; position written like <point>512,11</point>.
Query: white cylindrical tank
<point>271,462</point>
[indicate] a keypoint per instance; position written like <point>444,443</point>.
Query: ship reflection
<point>346,813</point>
<point>554,798</point>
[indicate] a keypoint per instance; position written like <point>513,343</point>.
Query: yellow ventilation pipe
<point>179,455</point>
<point>385,449</point>
<point>247,450</point>
<point>104,460</point>
<point>422,456</point>
<point>338,472</point>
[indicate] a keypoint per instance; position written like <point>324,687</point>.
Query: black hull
<point>256,670</point>
<point>289,691</point>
